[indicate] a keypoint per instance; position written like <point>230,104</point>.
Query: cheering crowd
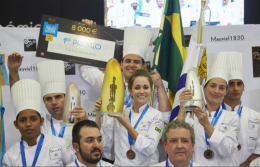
<point>223,133</point>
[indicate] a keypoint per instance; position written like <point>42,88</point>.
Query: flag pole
<point>1,105</point>
<point>158,52</point>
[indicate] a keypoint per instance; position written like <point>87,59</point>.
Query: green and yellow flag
<point>172,52</point>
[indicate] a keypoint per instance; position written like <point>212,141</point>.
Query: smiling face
<point>215,90</point>
<point>29,123</point>
<point>130,63</point>
<point>235,89</point>
<point>179,146</point>
<point>90,148</point>
<point>141,90</point>
<point>54,103</point>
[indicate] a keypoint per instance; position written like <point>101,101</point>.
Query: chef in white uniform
<point>156,15</point>
<point>216,129</point>
<point>52,80</point>
<point>249,141</point>
<point>136,41</point>
<point>179,141</point>
<point>35,148</point>
<point>227,13</point>
<point>87,141</point>
<point>53,86</point>
<point>137,132</point>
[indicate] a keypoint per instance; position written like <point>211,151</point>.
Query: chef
<point>34,148</point>
<point>216,129</point>
<point>249,141</point>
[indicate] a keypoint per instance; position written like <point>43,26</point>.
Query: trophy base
<point>189,105</point>
<point>107,112</point>
<point>67,124</point>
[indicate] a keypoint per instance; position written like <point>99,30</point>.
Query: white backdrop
<point>17,40</point>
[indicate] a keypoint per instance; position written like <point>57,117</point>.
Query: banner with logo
<point>244,39</point>
<point>72,41</point>
<point>24,41</point>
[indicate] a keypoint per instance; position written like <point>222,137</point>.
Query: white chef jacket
<point>249,133</point>
<point>223,141</point>
<point>156,16</point>
<point>164,163</point>
<point>100,163</point>
<point>54,152</point>
<point>227,14</point>
<point>46,128</point>
<point>150,130</point>
<point>95,77</point>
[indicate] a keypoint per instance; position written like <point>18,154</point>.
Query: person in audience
<point>87,141</point>
<point>156,15</point>
<point>249,142</point>
<point>216,129</point>
<point>178,140</point>
<point>137,132</point>
<point>227,13</point>
<point>53,86</point>
<point>35,148</point>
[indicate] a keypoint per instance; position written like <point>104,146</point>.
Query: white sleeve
<point>107,131</point>
<point>92,76</point>
<point>7,161</point>
<point>68,155</point>
<point>255,162</point>
<point>147,144</point>
<point>224,139</point>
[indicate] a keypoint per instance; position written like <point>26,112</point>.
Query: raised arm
<point>14,62</point>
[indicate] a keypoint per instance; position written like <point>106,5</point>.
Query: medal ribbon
<point>62,130</point>
<point>168,165</point>
<point>78,164</point>
<point>239,111</point>
<point>213,122</point>
<point>127,98</point>
<point>130,139</point>
<point>38,150</point>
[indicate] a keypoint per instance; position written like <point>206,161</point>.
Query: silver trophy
<point>72,99</point>
<point>192,83</point>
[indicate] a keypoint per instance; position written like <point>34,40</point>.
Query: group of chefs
<point>223,133</point>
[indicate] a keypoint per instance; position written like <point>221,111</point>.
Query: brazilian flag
<point>172,50</point>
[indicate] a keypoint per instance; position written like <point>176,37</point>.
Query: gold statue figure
<point>112,99</point>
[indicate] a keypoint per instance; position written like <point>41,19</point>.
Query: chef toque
<point>26,94</point>
<point>52,76</point>
<point>136,41</point>
<point>236,70</point>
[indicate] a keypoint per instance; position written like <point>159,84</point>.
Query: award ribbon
<point>130,139</point>
<point>239,111</point>
<point>127,98</point>
<point>168,165</point>
<point>213,122</point>
<point>78,164</point>
<point>62,130</point>
<point>38,150</point>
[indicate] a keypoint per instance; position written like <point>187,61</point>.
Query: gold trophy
<point>112,99</point>
<point>113,90</point>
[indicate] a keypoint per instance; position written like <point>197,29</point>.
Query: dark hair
<point>140,56</point>
<point>76,129</point>
<point>139,72</point>
<point>19,114</point>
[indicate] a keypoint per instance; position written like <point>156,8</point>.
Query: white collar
<point>170,162</point>
<point>25,144</point>
<point>81,164</point>
<point>141,109</point>
<point>235,109</point>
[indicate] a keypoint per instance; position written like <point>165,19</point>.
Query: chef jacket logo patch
<point>29,44</point>
<point>158,129</point>
<point>256,61</point>
<point>69,68</point>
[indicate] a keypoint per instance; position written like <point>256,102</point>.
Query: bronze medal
<point>208,154</point>
<point>239,147</point>
<point>130,154</point>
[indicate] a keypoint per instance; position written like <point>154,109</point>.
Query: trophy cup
<point>192,83</point>
<point>72,99</point>
<point>113,90</point>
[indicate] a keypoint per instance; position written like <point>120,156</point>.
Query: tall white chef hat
<point>219,67</point>
<point>134,1</point>
<point>236,70</point>
<point>52,76</point>
<point>136,41</point>
<point>26,94</point>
